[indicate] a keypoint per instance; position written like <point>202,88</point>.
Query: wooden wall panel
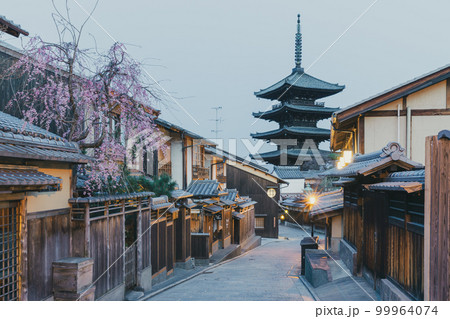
<point>48,240</point>
<point>255,187</point>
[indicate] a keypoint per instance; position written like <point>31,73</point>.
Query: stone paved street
<point>268,272</point>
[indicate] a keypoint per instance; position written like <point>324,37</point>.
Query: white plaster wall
<point>432,97</point>
<point>176,149</point>
<point>379,131</point>
<point>295,186</point>
<point>423,126</point>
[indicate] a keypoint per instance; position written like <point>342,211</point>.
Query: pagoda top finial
<point>298,47</point>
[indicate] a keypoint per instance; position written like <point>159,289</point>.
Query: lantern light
<point>282,217</point>
<point>312,199</point>
<point>271,192</point>
<point>347,156</point>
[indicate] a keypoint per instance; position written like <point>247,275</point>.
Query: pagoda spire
<point>298,47</point>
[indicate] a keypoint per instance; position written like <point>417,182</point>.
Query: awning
<point>328,204</point>
<point>236,215</point>
<point>179,194</point>
<point>188,204</point>
<point>208,201</point>
<point>227,202</point>
<point>213,209</point>
<point>10,177</point>
<point>409,187</point>
<point>247,204</point>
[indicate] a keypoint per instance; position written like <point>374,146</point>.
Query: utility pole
<point>218,120</point>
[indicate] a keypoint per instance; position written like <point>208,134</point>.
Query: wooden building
<point>170,234</point>
<point>406,113</point>
<point>114,230</point>
<point>36,183</point>
<point>297,114</point>
<point>255,181</point>
<point>383,218</point>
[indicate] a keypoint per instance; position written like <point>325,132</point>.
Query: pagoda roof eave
<point>317,110</point>
<point>294,131</point>
<point>300,81</point>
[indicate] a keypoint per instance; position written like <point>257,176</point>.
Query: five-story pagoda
<point>297,113</point>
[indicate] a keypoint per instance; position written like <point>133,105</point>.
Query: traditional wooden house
<point>170,234</point>
<point>327,210</point>
<point>207,218</point>
<point>36,183</point>
<point>181,155</point>
<point>406,113</point>
<point>383,221</point>
<point>254,181</point>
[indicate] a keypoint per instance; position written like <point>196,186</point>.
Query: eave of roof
<point>97,199</point>
<point>12,28</point>
<point>285,107</point>
<point>240,160</point>
<point>294,131</point>
<point>393,94</point>
<point>300,80</point>
<point>26,177</point>
<point>392,154</point>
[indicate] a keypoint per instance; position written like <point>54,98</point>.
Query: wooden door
<point>374,232</point>
<point>9,250</point>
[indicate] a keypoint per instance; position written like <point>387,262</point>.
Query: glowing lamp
<point>347,156</point>
<point>282,217</point>
<point>312,200</point>
<point>271,192</point>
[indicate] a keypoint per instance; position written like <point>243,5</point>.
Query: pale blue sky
<point>217,53</point>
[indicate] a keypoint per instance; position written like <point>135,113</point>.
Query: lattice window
<point>259,222</point>
<point>9,251</point>
<point>199,155</point>
<point>164,161</point>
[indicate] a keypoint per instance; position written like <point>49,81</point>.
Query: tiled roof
<point>106,198</point>
<point>293,153</point>
<point>212,209</point>
<point>409,181</point>
<point>205,188</point>
<point>232,193</point>
<point>300,80</point>
<point>247,204</point>
<point>160,202</point>
<point>237,215</point>
<point>10,27</point>
<point>286,107</point>
<point>294,130</point>
<point>26,177</point>
<point>189,204</point>
<point>294,172</point>
<point>369,163</point>
<point>328,204</point>
<point>179,194</point>
<point>22,140</point>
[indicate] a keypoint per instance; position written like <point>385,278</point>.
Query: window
<point>164,160</point>
<point>259,222</point>
<point>199,156</point>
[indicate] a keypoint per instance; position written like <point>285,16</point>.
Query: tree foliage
<point>98,100</point>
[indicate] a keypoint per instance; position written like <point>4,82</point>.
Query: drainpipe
<point>183,156</point>
<point>398,123</point>
<point>408,132</point>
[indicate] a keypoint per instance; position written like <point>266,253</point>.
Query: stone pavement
<point>267,273</point>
